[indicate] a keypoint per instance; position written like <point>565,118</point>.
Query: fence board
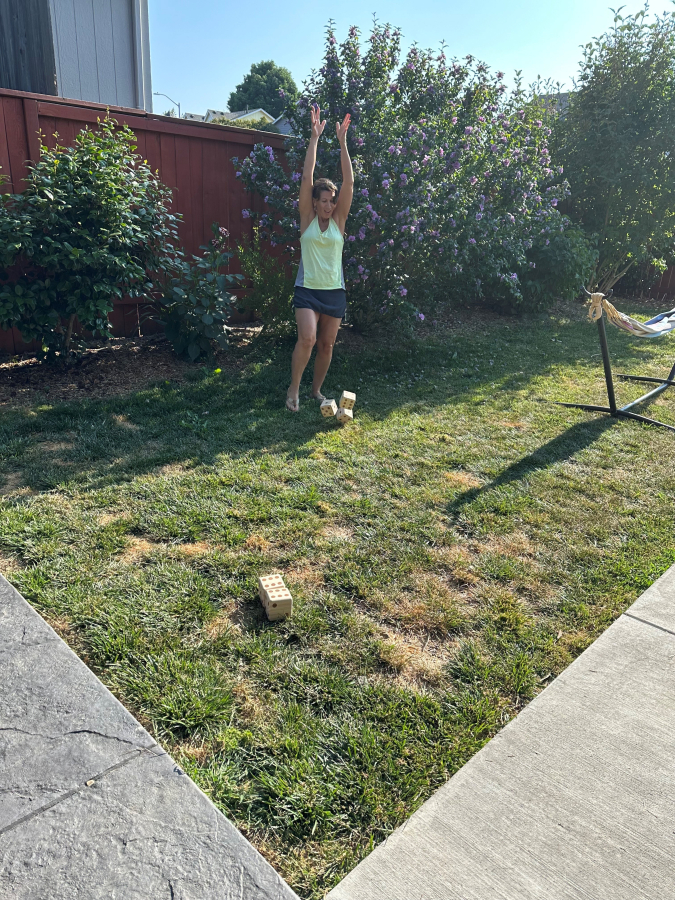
<point>17,145</point>
<point>5,167</point>
<point>201,230</point>
<point>183,196</point>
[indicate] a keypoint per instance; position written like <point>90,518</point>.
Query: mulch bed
<point>119,366</point>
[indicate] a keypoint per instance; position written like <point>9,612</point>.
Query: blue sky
<point>202,49</point>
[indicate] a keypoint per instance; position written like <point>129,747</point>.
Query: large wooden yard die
<point>328,408</point>
<point>275,596</point>
<point>344,416</point>
<point>347,400</point>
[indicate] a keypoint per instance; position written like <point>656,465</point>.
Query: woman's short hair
<point>323,184</point>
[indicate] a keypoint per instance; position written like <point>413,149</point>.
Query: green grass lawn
<point>449,554</point>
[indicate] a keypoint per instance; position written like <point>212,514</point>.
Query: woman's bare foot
<point>317,395</point>
<point>292,402</point>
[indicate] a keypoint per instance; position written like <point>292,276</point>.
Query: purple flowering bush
<point>455,197</point>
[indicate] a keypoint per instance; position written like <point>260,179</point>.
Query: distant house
<point>77,49</point>
<point>240,117</point>
<point>283,126</point>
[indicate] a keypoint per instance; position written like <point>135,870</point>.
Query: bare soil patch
<point>116,367</point>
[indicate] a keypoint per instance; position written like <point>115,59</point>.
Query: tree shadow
<point>198,423</point>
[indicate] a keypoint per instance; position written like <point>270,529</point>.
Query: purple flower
<point>454,120</point>
<point>351,238</point>
<point>473,179</point>
<point>246,213</point>
<point>360,270</point>
<point>286,187</point>
<point>479,216</point>
<point>392,149</point>
<point>405,245</point>
<point>472,240</point>
<point>404,178</point>
<point>296,176</point>
<point>364,192</point>
<point>385,183</point>
<point>237,174</point>
<point>402,291</point>
<point>420,316</point>
<point>468,129</point>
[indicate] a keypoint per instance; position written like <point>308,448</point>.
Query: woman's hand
<point>341,130</point>
<point>317,125</point>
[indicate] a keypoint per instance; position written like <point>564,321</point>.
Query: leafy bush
<point>561,267</point>
<point>195,302</point>
<point>455,194</point>
<point>93,224</point>
<point>616,142</point>
<point>269,285</point>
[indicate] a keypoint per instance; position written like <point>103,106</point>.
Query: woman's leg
<point>328,329</point>
<point>306,320</point>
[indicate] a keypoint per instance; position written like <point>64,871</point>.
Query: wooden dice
<point>347,400</point>
<point>328,408</point>
<point>275,596</point>
<point>344,416</point>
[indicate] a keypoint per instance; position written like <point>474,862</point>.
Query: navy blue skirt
<point>327,303</point>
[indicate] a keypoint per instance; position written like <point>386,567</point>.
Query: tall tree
<point>267,86</point>
<point>616,142</point>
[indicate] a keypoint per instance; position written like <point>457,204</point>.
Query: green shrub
<point>616,143</point>
<point>561,268</point>
<point>93,224</point>
<point>195,302</point>
<point>269,285</point>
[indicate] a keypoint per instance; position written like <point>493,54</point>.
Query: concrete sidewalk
<point>573,800</point>
<point>90,806</point>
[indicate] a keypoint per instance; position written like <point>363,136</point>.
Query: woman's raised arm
<point>305,206</point>
<point>347,190</point>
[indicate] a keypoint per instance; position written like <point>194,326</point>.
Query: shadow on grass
<point>198,422</point>
<point>562,447</point>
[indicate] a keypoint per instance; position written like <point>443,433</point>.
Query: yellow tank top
<point>321,258</point>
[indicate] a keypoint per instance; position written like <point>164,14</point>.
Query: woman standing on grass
<point>320,299</point>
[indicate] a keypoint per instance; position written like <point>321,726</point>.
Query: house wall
<point>192,158</point>
<point>26,52</point>
<point>102,51</point>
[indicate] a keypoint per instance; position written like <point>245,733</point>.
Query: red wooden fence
<point>193,158</point>
<point>665,286</point>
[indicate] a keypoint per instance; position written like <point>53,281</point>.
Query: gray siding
<point>102,50</point>
<point>26,53</point>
